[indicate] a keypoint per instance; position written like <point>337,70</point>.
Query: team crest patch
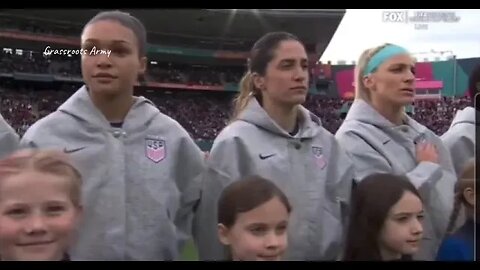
<point>319,157</point>
<point>155,149</point>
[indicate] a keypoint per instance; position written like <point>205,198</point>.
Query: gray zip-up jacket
<point>9,139</point>
<point>141,181</point>
<point>310,167</point>
<point>378,146</point>
<point>460,138</point>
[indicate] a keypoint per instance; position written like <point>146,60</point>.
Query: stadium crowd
<point>204,115</point>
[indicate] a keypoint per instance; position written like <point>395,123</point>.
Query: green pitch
<point>190,252</point>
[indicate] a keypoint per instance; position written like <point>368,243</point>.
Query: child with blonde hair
<point>40,205</point>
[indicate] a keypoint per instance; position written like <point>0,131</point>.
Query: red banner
<point>231,55</point>
<point>186,86</point>
<point>433,85</point>
<point>42,38</point>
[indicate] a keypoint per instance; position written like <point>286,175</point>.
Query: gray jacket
<point>378,146</point>
<point>141,181</point>
<point>460,138</point>
<point>9,139</point>
<point>310,167</point>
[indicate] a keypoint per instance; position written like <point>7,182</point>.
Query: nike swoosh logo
<point>262,157</point>
<point>69,151</point>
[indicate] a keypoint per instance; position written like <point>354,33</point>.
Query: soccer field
<point>190,252</point>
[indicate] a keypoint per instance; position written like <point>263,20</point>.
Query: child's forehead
<point>30,181</point>
<point>270,212</point>
<point>408,203</point>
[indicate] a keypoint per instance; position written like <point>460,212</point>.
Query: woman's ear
<point>223,234</point>
<point>258,81</point>
<point>368,81</point>
<point>469,195</point>
<point>143,65</point>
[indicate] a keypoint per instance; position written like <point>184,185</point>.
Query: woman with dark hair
<point>386,220</point>
<point>272,135</point>
<point>142,170</point>
<point>253,220</point>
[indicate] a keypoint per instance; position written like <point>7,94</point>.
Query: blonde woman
<point>382,138</point>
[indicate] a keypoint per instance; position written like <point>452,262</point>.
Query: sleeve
<point>189,169</point>
<point>9,139</point>
<point>449,251</point>
<point>344,186</point>
<point>435,182</point>
<point>461,149</point>
<point>367,161</point>
<point>228,162</point>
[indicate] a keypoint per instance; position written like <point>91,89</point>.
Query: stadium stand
<point>202,113</point>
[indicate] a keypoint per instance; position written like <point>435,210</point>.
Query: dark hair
<point>372,199</point>
<point>261,54</point>
<point>128,21</point>
<point>474,82</point>
<point>467,180</point>
<point>245,195</point>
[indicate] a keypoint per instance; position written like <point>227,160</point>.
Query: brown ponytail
<point>457,206</point>
<point>246,93</point>
<point>466,181</point>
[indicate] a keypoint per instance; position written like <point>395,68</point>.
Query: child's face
<point>37,216</point>
<point>402,231</point>
<point>259,234</point>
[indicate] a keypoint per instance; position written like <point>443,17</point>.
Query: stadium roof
<point>215,29</point>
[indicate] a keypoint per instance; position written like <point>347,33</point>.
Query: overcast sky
<point>361,29</point>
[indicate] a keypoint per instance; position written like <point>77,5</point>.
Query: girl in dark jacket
<point>459,244</point>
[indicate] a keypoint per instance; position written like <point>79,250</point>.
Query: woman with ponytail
<point>272,135</point>
<point>459,245</point>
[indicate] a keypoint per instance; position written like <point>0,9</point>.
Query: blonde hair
<point>467,180</point>
<point>45,161</point>
<point>361,92</point>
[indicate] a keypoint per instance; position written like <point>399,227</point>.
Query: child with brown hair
<point>252,220</point>
<point>40,206</point>
<point>386,221</point>
<point>459,245</point>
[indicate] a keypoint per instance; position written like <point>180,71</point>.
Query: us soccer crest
<point>320,159</point>
<point>155,149</point>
